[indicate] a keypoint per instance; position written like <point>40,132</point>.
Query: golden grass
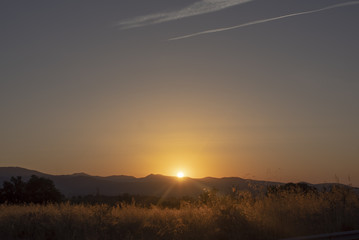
<point>240,216</point>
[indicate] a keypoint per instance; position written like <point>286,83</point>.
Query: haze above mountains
<point>151,185</point>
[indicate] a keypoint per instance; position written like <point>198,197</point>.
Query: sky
<point>258,89</point>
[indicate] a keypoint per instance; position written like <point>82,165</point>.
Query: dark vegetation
<point>137,200</point>
<point>277,212</point>
<point>36,190</point>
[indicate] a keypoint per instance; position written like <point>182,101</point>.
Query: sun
<point>180,174</point>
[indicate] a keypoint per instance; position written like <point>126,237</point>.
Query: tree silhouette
<point>13,191</point>
<point>36,190</point>
<point>41,190</point>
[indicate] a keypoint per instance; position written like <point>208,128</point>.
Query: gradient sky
<point>99,87</point>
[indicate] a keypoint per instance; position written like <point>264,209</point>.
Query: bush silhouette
<point>294,188</point>
<point>36,190</point>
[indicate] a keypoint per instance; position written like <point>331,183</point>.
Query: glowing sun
<point>180,174</point>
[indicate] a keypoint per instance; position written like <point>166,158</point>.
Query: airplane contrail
<point>265,20</point>
<point>197,8</point>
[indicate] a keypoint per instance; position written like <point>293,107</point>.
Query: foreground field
<point>239,216</point>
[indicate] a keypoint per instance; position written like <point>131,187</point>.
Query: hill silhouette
<point>151,185</point>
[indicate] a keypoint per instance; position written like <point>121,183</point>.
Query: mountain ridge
<point>152,185</point>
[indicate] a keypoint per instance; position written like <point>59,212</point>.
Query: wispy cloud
<point>266,20</point>
<point>197,8</point>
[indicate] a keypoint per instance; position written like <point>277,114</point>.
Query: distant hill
<point>7,172</point>
<point>152,185</point>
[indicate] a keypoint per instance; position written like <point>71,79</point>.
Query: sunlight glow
<point>180,174</point>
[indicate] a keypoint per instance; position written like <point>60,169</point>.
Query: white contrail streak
<point>197,8</point>
<point>265,20</point>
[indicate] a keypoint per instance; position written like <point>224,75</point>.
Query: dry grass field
<point>239,216</point>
